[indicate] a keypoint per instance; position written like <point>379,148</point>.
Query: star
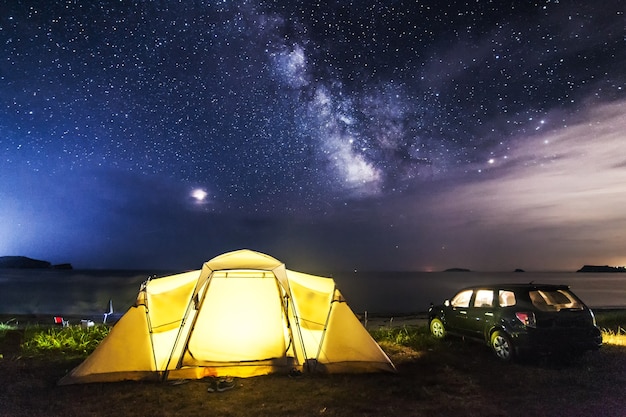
<point>320,120</point>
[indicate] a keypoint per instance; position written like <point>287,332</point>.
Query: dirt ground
<point>455,378</point>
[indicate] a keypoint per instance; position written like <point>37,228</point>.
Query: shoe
<point>212,386</point>
<point>221,385</point>
<point>225,384</point>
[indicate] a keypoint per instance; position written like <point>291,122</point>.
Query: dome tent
<point>243,314</point>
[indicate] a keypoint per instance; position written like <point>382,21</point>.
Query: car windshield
<point>555,300</point>
<point>462,299</point>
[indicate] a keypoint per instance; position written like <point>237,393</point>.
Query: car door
<point>480,312</point>
<point>457,317</point>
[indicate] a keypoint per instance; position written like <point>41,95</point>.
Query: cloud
<point>575,173</point>
<point>557,194</point>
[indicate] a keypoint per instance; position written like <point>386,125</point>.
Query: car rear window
<point>554,300</point>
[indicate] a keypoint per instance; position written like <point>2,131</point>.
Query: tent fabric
<point>243,314</point>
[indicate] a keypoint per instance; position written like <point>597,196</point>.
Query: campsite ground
<point>449,378</point>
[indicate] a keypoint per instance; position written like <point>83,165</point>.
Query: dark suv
<point>519,318</point>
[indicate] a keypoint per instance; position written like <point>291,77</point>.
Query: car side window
<point>484,298</point>
<point>462,299</point>
<point>506,298</point>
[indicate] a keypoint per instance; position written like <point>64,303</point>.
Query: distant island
<point>457,270</point>
<point>602,268</point>
<point>24,262</point>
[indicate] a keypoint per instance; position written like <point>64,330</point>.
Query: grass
<point>43,341</point>
<point>443,378</point>
<point>613,326</point>
<point>71,340</point>
<point>617,338</point>
<point>612,323</point>
<point>6,326</point>
<point>80,342</point>
<point>611,319</point>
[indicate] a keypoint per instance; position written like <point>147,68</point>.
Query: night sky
<point>332,135</point>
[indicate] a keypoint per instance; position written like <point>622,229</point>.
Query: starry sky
<point>368,135</point>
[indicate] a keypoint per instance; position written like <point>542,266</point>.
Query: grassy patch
<point>611,319</point>
<point>6,326</point>
<point>610,337</point>
<point>71,340</point>
<point>613,326</point>
<point>78,341</point>
<point>415,337</point>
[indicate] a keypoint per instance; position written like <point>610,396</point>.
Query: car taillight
<point>527,319</point>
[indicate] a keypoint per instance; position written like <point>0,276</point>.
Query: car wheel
<point>437,329</point>
<point>502,346</point>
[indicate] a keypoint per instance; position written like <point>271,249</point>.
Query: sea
<point>88,292</point>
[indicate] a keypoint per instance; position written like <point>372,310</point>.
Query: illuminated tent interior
<point>243,314</point>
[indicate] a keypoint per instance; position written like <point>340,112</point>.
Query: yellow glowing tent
<point>242,314</point>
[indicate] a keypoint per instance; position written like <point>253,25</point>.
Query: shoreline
<point>372,322</point>
<point>394,294</point>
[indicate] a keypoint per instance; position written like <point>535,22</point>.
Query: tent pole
<point>149,322</point>
<point>285,302</point>
<point>294,313</point>
<point>182,326</point>
<point>144,297</point>
<point>330,309</point>
<point>197,307</point>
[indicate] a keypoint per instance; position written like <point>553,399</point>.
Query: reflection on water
<point>76,292</point>
<point>88,292</point>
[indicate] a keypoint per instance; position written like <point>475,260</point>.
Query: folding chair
<point>61,321</point>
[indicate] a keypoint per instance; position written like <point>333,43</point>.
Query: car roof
<point>518,286</point>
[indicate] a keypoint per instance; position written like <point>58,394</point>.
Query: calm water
<point>407,292</point>
<point>88,292</point>
<point>73,292</point>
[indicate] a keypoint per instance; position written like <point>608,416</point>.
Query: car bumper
<point>562,340</point>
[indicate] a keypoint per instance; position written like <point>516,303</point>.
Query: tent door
<point>240,319</point>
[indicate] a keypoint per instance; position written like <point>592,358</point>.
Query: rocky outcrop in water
<point>602,268</point>
<point>24,262</point>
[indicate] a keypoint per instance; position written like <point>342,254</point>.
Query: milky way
<point>298,122</point>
